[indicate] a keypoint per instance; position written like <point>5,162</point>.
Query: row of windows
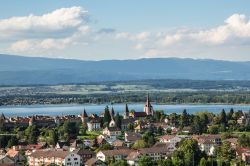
<point>76,163</point>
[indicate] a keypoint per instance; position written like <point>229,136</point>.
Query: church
<point>147,111</point>
<point>148,108</point>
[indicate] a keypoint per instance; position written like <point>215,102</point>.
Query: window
<point>68,159</point>
<point>75,158</point>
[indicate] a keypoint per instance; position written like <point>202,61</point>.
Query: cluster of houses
<point>78,152</point>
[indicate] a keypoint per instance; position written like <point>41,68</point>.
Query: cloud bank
<point>70,29</point>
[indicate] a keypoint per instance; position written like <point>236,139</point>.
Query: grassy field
<point>90,135</point>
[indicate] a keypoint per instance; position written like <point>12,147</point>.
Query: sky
<point>129,29</point>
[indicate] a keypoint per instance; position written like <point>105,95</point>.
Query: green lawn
<point>240,133</point>
<point>90,135</point>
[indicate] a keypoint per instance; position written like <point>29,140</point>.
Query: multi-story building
<point>58,157</point>
<point>120,154</point>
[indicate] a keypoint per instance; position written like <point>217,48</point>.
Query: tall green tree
<point>118,120</point>
<point>225,152</point>
<point>32,134</point>
<point>53,137</point>
<point>223,117</point>
<point>203,162</point>
<point>184,121</point>
<point>145,161</point>
<point>197,127</point>
<point>107,117</point>
<point>190,152</point>
<point>166,162</point>
<point>149,138</point>
<point>159,115</point>
<point>139,144</point>
<point>244,140</point>
<point>70,129</point>
<point>119,163</point>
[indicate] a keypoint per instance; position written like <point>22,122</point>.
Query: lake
<point>64,109</point>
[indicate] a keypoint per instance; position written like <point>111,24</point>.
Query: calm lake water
<point>77,109</point>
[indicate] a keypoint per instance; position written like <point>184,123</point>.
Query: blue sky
<point>113,29</point>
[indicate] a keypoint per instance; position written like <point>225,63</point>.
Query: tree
<point>149,138</point>
<point>166,162</point>
<point>225,152</point>
<point>203,162</point>
<point>130,127</point>
<point>244,140</point>
<point>139,144</point>
<point>159,115</point>
<point>32,134</point>
<point>214,129</point>
<point>223,117</point>
<point>184,121</point>
<point>119,163</point>
<point>107,117</point>
<point>204,120</point>
<point>83,129</point>
<point>197,125</point>
<point>190,152</point>
<point>145,161</point>
<point>160,130</point>
<point>70,129</point>
<point>53,137</point>
<point>230,114</point>
<point>12,141</point>
<point>177,161</point>
<point>118,120</point>
<point>173,119</point>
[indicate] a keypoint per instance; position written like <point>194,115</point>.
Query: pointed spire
<point>84,114</point>
<point>2,116</point>
<point>126,109</point>
<point>148,103</point>
<point>112,112</point>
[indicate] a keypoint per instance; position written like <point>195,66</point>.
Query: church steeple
<point>148,103</point>
<point>112,113</point>
<point>84,116</point>
<point>126,112</point>
<point>148,107</point>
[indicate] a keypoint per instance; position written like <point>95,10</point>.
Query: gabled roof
<point>50,153</point>
<point>232,140</point>
<point>139,114</point>
<point>134,154</point>
<point>92,161</point>
<point>127,121</point>
<point>12,153</point>
<point>167,137</point>
<point>133,136</point>
<point>110,153</point>
<point>83,152</point>
<point>118,143</point>
<point>239,151</point>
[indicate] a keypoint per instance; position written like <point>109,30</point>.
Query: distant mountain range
<point>18,70</point>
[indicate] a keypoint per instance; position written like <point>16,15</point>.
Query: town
<point>149,138</point>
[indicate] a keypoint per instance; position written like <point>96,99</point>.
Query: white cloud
<point>171,39</point>
<point>234,32</point>
<point>67,30</point>
<point>60,20</point>
<point>143,36</point>
<point>139,46</point>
